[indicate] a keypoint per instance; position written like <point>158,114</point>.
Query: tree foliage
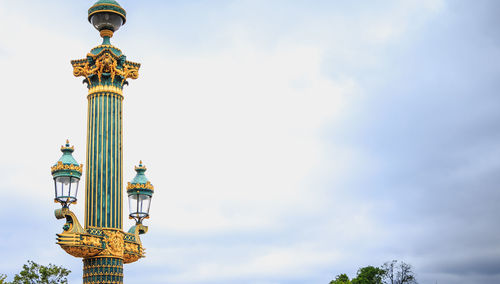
<point>369,275</point>
<point>391,272</point>
<point>341,279</point>
<point>34,273</point>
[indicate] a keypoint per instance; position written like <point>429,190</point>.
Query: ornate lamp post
<point>102,243</point>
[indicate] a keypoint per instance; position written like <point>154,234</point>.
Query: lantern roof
<point>140,183</point>
<point>67,165</point>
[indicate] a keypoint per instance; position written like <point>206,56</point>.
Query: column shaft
<point>102,270</point>
<point>104,188</point>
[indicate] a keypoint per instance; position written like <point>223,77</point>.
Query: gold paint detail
<point>72,148</point>
<point>80,251</point>
<point>103,243</point>
<point>114,244</point>
<point>71,220</point>
<point>146,185</point>
<point>60,166</point>
<point>87,161</point>
<point>133,246</point>
<point>106,33</point>
<point>106,61</point>
<point>101,158</point>
<point>108,11</point>
<point>140,167</point>
<point>101,185</point>
<point>90,271</point>
<point>132,252</point>
<point>73,239</point>
<point>106,189</point>
<point>92,241</point>
<point>104,89</point>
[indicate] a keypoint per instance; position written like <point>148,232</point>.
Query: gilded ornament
<point>146,185</point>
<point>98,242</point>
<point>81,251</point>
<point>92,241</point>
<point>106,33</point>
<point>114,244</point>
<point>104,89</point>
<point>106,62</point>
<point>60,166</point>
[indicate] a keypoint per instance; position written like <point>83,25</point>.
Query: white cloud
<point>237,129</point>
<point>232,138</point>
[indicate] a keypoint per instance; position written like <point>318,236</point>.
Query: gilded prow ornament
<point>99,242</point>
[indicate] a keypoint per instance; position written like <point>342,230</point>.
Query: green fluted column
<point>104,185</point>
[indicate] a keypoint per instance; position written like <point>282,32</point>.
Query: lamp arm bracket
<point>72,224</point>
<point>138,229</point>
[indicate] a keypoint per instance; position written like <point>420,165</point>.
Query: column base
<point>103,270</point>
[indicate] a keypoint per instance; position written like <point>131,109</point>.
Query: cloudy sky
<point>288,141</point>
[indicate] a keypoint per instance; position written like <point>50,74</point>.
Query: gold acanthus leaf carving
<point>134,248</point>
<point>91,241</point>
<point>146,185</point>
<point>133,252</point>
<point>60,166</point>
<point>105,63</point>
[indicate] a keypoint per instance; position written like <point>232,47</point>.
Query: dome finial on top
<point>107,16</point>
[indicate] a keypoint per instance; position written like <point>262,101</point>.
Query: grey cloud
<point>433,126</point>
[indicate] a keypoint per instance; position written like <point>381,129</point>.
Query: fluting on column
<point>104,188</point>
<point>102,270</point>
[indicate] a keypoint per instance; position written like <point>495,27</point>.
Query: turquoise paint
<point>104,183</point>
<point>67,159</point>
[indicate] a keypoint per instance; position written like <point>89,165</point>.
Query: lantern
<point>66,173</point>
<point>140,191</point>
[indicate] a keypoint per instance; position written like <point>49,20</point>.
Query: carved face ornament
<point>107,63</point>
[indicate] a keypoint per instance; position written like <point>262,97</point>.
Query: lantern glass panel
<point>132,202</point>
<point>74,187</point>
<point>139,205</point>
<point>106,21</point>
<point>66,189</point>
<point>146,202</point>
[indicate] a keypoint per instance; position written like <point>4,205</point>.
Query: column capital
<point>105,65</point>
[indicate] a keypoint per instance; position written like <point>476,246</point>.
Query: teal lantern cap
<point>140,184</point>
<point>140,191</point>
<point>67,165</point>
